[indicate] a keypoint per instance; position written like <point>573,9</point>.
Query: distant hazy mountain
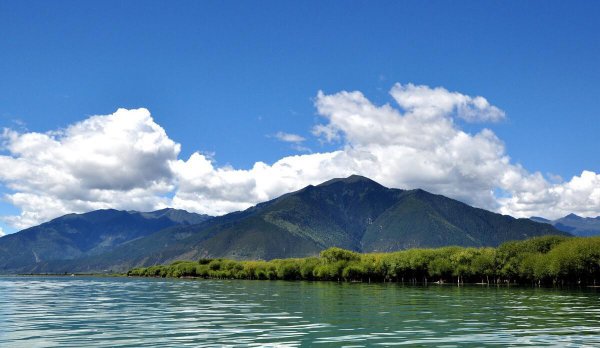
<point>354,213</point>
<point>77,235</point>
<point>576,225</point>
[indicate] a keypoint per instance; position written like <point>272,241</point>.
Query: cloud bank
<point>114,161</point>
<point>127,161</point>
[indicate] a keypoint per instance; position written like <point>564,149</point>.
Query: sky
<point>213,106</point>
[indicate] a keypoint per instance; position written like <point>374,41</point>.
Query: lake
<point>133,312</point>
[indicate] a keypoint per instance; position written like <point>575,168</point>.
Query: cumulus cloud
<point>438,101</point>
<point>127,161</point>
<point>579,195</point>
<point>416,144</point>
<point>202,187</point>
<point>2,234</point>
<point>113,161</point>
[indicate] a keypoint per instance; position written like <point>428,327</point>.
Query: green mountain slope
<point>422,219</point>
<point>354,213</point>
<point>77,235</point>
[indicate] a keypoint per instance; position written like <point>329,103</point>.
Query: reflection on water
<point>121,312</point>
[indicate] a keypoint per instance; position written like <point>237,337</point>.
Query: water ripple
<point>122,312</point>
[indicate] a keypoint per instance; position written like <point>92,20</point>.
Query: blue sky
<point>224,77</point>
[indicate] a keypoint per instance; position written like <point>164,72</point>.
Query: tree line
<point>541,260</point>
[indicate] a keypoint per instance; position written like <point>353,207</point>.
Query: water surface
<point>124,312</point>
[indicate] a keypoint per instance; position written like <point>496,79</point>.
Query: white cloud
<point>295,141</point>
<point>127,161</point>
<point>118,161</point>
<point>438,101</point>
<point>289,137</point>
<point>2,234</point>
<point>580,195</point>
<point>202,187</point>
<point>417,145</point>
<point>421,147</point>
<point>301,148</point>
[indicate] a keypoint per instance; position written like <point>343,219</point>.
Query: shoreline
<point>109,275</point>
<point>405,283</point>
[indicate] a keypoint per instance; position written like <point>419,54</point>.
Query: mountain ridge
<point>354,213</point>
<point>574,224</point>
<point>74,235</point>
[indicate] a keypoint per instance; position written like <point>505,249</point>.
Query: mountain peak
<point>575,224</point>
<point>354,213</point>
<point>354,178</point>
<point>572,216</point>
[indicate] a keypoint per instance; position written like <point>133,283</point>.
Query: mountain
<point>78,235</point>
<point>355,213</point>
<point>359,214</point>
<point>576,225</point>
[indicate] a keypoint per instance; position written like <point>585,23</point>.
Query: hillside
<point>354,213</point>
<point>78,235</point>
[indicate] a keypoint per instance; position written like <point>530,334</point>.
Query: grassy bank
<point>542,260</point>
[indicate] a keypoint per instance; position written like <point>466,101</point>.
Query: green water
<point>122,312</point>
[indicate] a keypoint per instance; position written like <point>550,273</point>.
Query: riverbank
<point>549,260</point>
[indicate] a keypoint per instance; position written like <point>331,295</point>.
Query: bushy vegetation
<point>541,260</point>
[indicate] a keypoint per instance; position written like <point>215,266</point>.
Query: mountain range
<point>74,236</point>
<point>574,224</point>
<point>354,213</point>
